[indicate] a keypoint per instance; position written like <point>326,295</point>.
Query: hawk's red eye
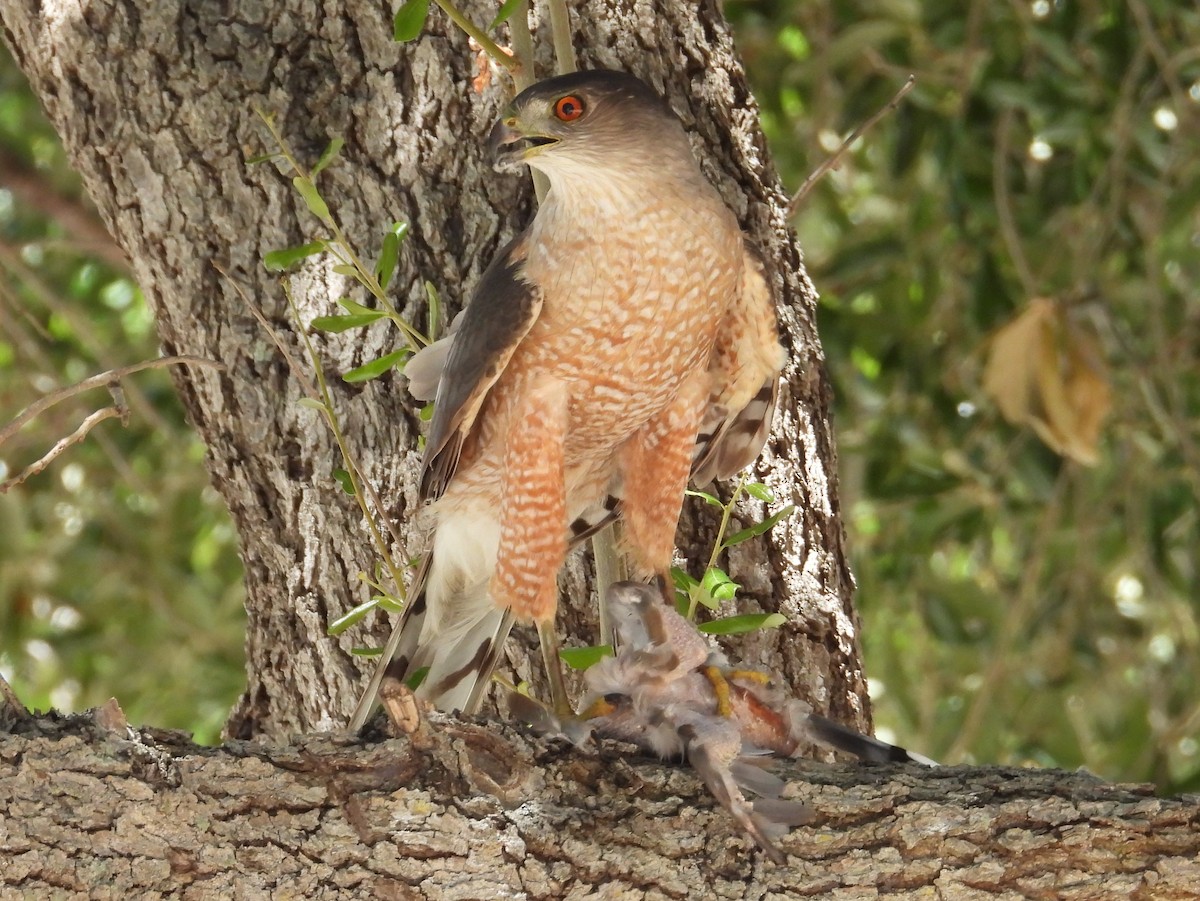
<point>568,108</point>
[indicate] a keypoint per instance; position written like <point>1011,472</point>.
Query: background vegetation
<point>1007,267</point>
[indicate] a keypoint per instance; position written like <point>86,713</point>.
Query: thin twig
<point>1004,213</point>
<point>357,481</point>
<point>490,47</point>
<point>522,45</point>
<point>365,276</point>
<point>310,390</point>
<point>119,411</point>
<point>821,170</point>
<point>560,30</point>
<point>101,353</point>
<point>102,380</point>
<point>522,41</point>
<point>1018,615</point>
<point>610,568</point>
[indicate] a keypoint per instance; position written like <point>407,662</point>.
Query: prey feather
<point>669,690</point>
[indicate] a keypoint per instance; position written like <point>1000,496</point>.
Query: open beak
<point>510,146</point>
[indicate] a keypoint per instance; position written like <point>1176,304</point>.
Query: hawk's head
<point>589,121</point>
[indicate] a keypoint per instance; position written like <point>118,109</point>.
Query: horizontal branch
<point>102,380</point>
<point>474,809</point>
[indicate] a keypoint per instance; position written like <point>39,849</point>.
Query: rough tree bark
<point>90,808</point>
<point>156,106</point>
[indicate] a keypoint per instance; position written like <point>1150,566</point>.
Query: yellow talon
<point>598,707</point>
<point>720,688</point>
<point>749,675</point>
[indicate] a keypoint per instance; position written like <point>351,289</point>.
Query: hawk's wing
<point>746,363</point>
<point>501,312</point>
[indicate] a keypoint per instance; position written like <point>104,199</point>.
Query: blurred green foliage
<point>118,568</point>
<point>1016,606</point>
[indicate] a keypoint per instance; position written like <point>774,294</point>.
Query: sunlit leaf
<point>389,254</point>
<point>388,603</point>
<point>350,617</point>
<point>506,10</point>
<point>343,478</point>
<point>376,368</point>
<point>758,528</point>
<point>312,198</point>
<point>345,323</point>
<point>582,658</point>
<point>760,491</point>
<point>435,310</point>
<point>409,20</point>
<point>285,258</point>
<point>718,585</point>
<point>328,155</point>
<point>746,622</point>
<point>312,403</point>
<point>708,498</point>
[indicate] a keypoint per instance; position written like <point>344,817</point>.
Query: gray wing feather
<point>501,312</point>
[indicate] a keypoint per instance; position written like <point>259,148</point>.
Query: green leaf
<point>263,158</point>
<point>376,368</point>
<point>682,580</point>
<point>389,603</point>
<point>427,412</point>
<point>718,584</point>
<point>312,197</point>
<point>348,619</point>
<point>758,528</point>
<point>327,156</point>
<point>389,254</point>
<point>506,10</point>
<point>582,658</point>
<point>345,323</point>
<point>347,269</point>
<point>279,260</point>
<point>435,310</point>
<point>366,652</point>
<point>414,681</point>
<point>760,491</point>
<point>312,403</point>
<point>343,478</point>
<point>409,20</point>
<point>746,622</point>
<point>357,309</point>
<point>708,498</point>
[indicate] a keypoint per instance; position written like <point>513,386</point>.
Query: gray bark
<point>155,104</point>
<point>459,810</point>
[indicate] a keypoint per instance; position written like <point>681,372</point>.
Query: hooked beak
<point>510,146</point>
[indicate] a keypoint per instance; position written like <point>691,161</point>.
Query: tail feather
<point>450,629</point>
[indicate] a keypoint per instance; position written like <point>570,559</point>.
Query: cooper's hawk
<point>625,339</point>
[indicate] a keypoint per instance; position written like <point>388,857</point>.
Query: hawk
<point>623,342</point>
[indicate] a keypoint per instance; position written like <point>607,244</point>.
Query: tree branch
<point>102,380</point>
<point>478,810</point>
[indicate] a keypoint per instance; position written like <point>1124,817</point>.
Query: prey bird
<point>625,341</point>
<point>670,691</point>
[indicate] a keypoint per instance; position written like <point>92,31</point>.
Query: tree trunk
<point>94,809</point>
<point>156,104</point>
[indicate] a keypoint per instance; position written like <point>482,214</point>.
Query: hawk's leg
<point>655,464</point>
<point>533,520</point>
